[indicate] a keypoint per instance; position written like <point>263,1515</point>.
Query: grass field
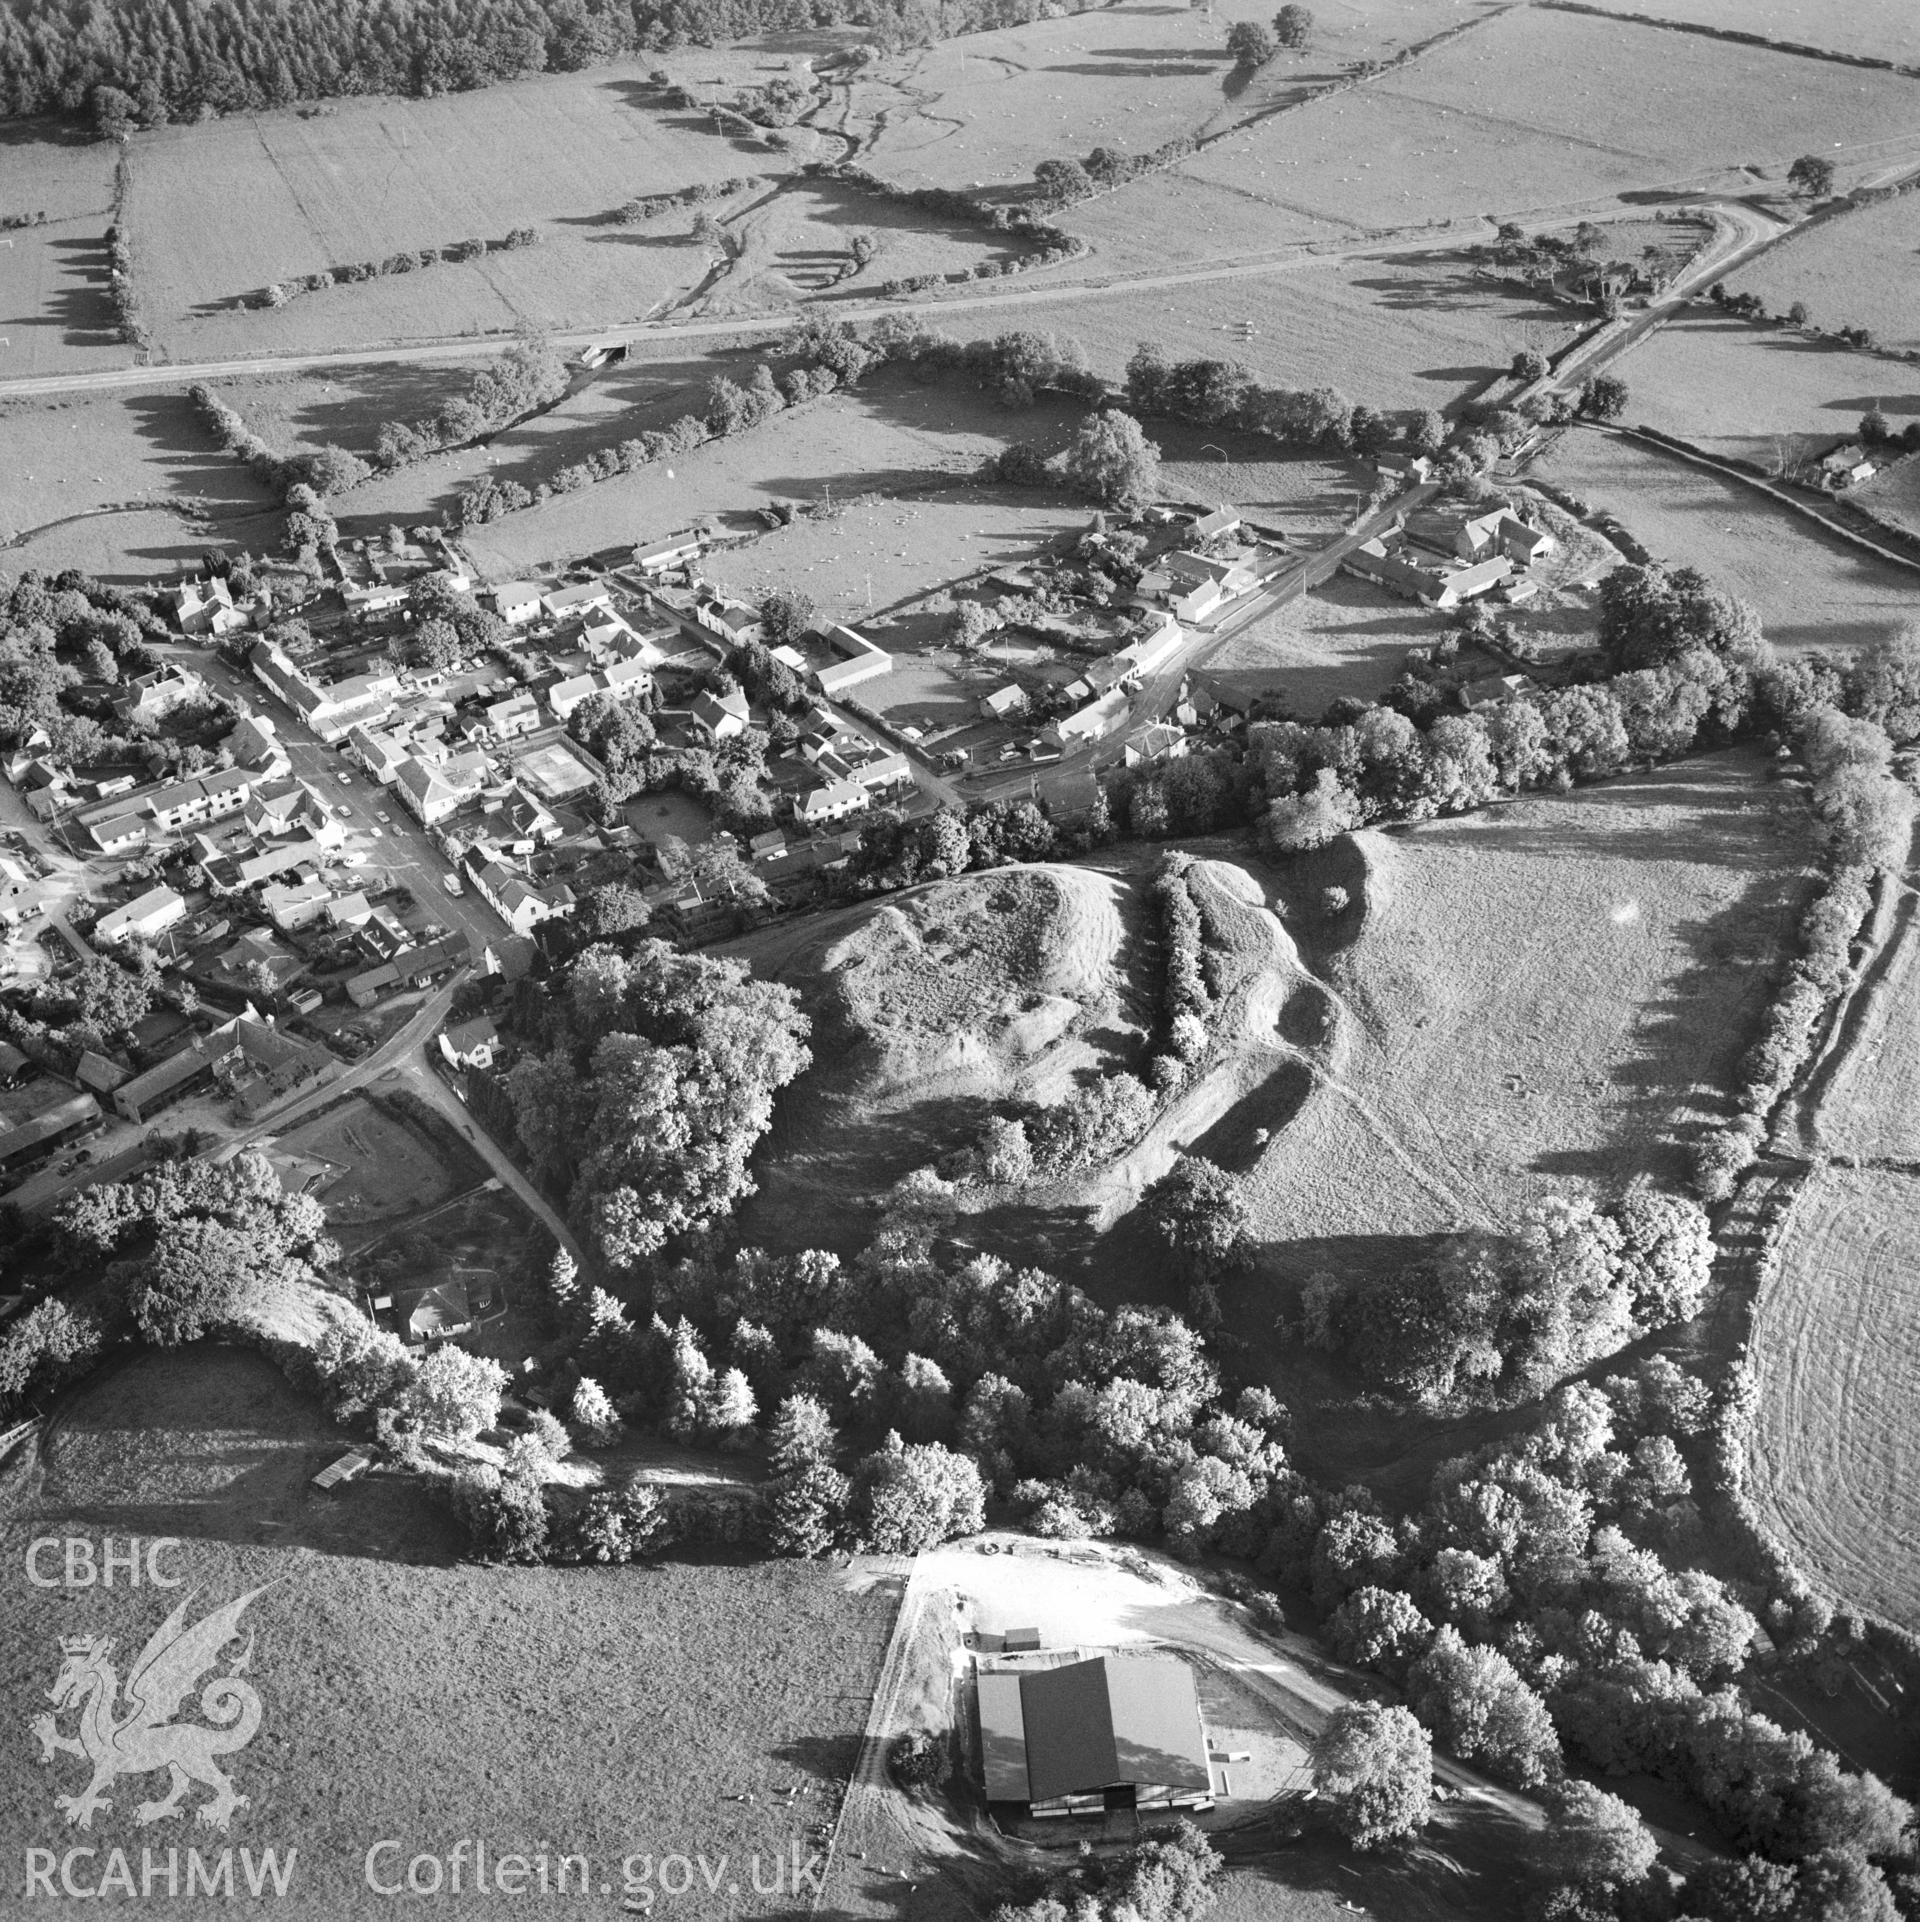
<point>626,1711</point>
<point>1883,28</point>
<point>55,316</point>
<point>1894,494</point>
<point>1812,590</point>
<point>218,211</point>
<point>1514,116</point>
<point>1342,638</point>
<point>1834,1459</point>
<point>925,1011</point>
<point>1854,271</point>
<point>1392,330</point>
<point>144,457</point>
<point>1870,1108</point>
<point>1757,394</point>
<point>393,1170</point>
<point>907,445</point>
<point>1550,995</point>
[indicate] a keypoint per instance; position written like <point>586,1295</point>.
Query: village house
<point>1846,466</point>
<point>1436,582</point>
<point>470,1044</point>
<point>382,755</point>
<point>516,602</point>
<point>1004,703</point>
<point>1218,525</point>
<point>1088,724</point>
<point>432,793</point>
<point>720,717</point>
<point>203,607</point>
<point>154,695</point>
<point>331,711</point>
<point>584,598</point>
<point>518,714</point>
<point>143,918</point>
<point>255,745</point>
<point>295,904</point>
<point>734,621</point>
<point>517,901</point>
<point>830,801</point>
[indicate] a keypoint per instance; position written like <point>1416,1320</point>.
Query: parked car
<point>383,816</point>
<point>346,779</point>
<point>452,883</point>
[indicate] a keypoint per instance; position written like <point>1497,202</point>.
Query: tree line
<point>149,62</point>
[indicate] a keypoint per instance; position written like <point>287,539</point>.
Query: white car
<point>343,811</point>
<point>383,816</point>
<point>346,780</point>
<point>452,883</point>
<point>376,832</point>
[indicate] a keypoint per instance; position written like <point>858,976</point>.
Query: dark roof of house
<point>1115,1719</point>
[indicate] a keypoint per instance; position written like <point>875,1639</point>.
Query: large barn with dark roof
<point>1115,1731</point>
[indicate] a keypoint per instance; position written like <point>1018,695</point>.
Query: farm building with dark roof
<point>1115,1731</point>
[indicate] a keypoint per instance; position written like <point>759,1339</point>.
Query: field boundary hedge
<point>1742,471</point>
<point>1738,36</point>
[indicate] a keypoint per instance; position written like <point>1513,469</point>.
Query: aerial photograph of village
<point>960,960</point>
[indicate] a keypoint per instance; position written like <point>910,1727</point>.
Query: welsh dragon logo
<point>138,1737</point>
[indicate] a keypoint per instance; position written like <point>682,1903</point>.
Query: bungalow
<point>516,602</point>
<point>142,918</point>
<point>286,807</point>
<point>1004,703</point>
<point>664,556</point>
<point>1161,742</point>
<point>581,599</point>
<point>831,801</point>
<point>721,717</point>
<point>119,834</point>
<point>856,659</point>
<point>1089,723</point>
<point>470,1044</point>
<point>1217,525</point>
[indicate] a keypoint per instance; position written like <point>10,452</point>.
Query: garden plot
<point>1534,110</point>
<point>369,1634</point>
<point>393,1171</point>
<point>1852,271</point>
<point>1553,994</point>
<point>1812,590</point>
<point>1759,394</point>
<point>1412,330</point>
<point>1833,1456</point>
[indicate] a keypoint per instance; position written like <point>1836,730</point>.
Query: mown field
<point>1853,271</point>
<point>143,456</point>
<point>1886,29</point>
<point>1551,994</point>
<point>626,1710</point>
<point>1341,638</point>
<point>1812,590</point>
<point>55,316</point>
<point>1532,110</point>
<point>1759,394</point>
<point>1834,1457</point>
<point>902,444</point>
<point>1392,330</point>
<point>1870,1108</point>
